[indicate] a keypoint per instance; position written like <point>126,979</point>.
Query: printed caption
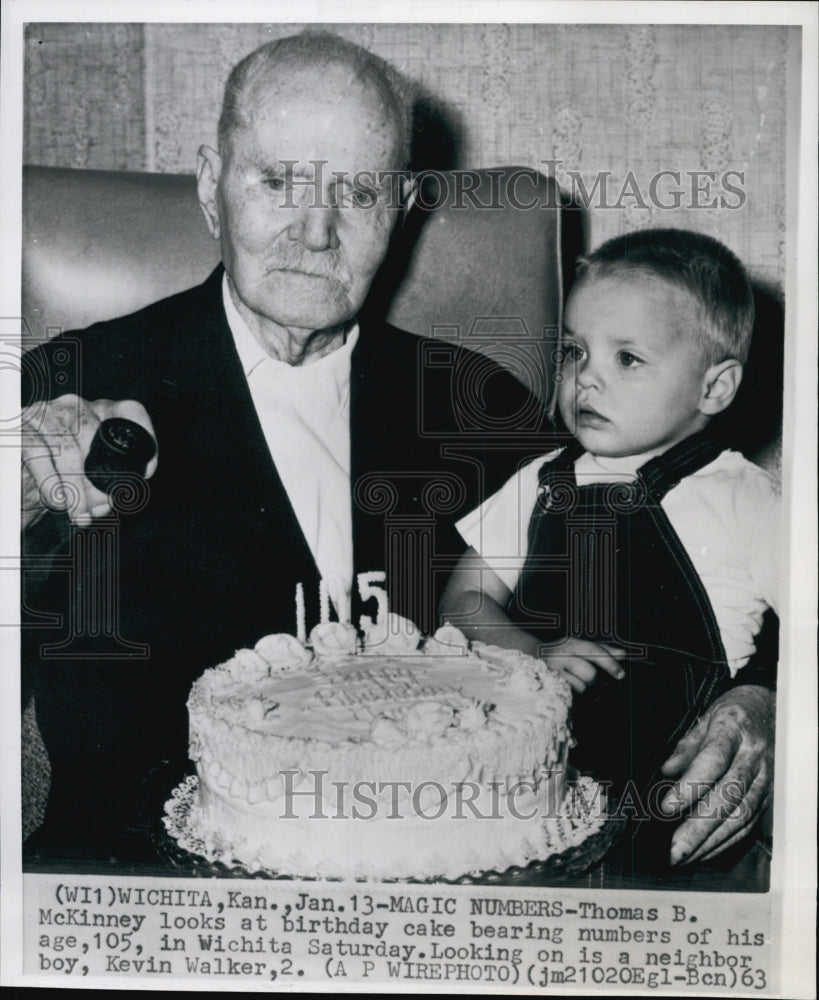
<point>293,934</point>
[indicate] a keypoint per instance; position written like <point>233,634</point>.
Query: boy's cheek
<point>565,397</point>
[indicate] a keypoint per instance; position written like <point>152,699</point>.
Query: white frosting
<point>386,732</point>
<point>448,640</point>
<point>283,652</point>
<point>251,664</point>
<point>334,640</point>
<point>428,720</point>
<point>473,716</point>
<point>433,736</point>
<point>391,635</point>
<point>524,680</point>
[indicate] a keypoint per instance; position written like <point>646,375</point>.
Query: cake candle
<point>367,590</point>
<point>324,602</point>
<point>301,628</point>
<point>342,605</point>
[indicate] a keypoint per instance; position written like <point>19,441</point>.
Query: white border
<point>794,869</point>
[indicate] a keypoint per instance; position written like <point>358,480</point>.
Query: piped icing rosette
<point>334,640</point>
<point>437,726</point>
<point>511,667</point>
<point>499,654</point>
<point>447,641</point>
<point>429,719</point>
<point>473,716</point>
<point>387,732</point>
<point>252,665</point>
<point>391,635</point>
<point>524,680</point>
<point>245,666</point>
<point>282,652</point>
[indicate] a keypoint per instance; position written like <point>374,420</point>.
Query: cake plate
<point>188,853</point>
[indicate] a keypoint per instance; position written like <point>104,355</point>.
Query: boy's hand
<point>578,660</point>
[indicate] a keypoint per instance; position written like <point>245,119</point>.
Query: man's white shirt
<point>304,412</point>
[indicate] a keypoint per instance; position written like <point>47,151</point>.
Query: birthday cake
<point>403,757</point>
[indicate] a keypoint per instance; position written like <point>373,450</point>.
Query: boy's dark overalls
<point>604,563</point>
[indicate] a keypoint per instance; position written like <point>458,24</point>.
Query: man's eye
<point>364,197</point>
<point>628,360</point>
<point>275,183</point>
<point>351,197</point>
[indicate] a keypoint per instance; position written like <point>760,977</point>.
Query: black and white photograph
<point>487,663</point>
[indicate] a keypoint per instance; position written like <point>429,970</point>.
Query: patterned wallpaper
<point>630,101</point>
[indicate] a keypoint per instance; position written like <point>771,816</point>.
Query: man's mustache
<point>321,264</point>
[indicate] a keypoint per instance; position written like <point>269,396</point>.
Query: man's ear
<point>719,386</point>
<point>208,171</point>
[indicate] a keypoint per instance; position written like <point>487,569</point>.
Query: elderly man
<point>278,417</point>
<point>281,422</point>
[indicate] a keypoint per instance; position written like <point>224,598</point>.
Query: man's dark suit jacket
<point>209,559</point>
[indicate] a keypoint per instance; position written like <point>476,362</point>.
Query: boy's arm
<point>474,601</point>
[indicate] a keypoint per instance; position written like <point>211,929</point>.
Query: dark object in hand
<point>120,449</point>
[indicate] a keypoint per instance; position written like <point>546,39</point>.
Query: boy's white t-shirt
<point>727,516</point>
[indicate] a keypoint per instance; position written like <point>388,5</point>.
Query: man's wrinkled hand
<point>724,767</point>
<point>56,437</point>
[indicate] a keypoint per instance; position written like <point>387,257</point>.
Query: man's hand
<point>578,660</point>
<point>724,766</point>
<point>56,437</point>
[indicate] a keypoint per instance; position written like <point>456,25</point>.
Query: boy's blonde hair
<point>703,267</point>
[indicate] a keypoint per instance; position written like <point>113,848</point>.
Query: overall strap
<point>664,472</point>
<point>559,470</point>
<point>659,474</point>
<point>606,564</point>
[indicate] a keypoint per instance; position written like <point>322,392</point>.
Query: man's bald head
<point>301,194</point>
<point>252,79</point>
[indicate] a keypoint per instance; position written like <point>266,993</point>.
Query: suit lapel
<point>368,409</point>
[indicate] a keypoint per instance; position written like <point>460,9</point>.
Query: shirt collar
<point>252,354</point>
<point>596,467</point>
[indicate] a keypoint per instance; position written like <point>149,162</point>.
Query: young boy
<point>651,553</point>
